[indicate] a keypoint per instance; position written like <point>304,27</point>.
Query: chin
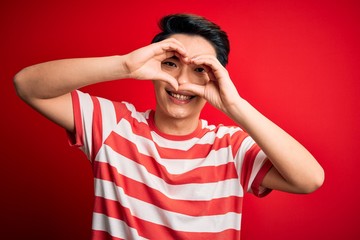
<point>180,113</point>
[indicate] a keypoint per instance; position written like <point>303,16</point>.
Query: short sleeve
<point>94,119</point>
<point>76,138</point>
<point>253,165</point>
<point>256,187</point>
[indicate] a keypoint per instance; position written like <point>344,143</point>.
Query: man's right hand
<point>145,63</point>
<point>46,86</point>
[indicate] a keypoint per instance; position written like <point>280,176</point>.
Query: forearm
<point>296,169</point>
<point>294,163</point>
<point>56,78</point>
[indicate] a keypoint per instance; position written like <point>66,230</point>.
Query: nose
<point>183,76</point>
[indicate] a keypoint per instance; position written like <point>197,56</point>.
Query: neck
<point>176,126</point>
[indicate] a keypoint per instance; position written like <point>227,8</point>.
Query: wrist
<point>239,111</point>
<point>120,70</point>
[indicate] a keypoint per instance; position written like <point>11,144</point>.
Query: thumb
<point>169,79</point>
<point>193,88</point>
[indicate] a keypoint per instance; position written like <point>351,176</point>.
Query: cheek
<point>157,88</point>
<point>201,79</point>
<point>171,71</point>
<point>159,85</point>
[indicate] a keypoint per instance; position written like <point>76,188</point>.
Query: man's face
<point>182,105</point>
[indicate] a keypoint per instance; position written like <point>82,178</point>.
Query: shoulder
<point>221,130</point>
<point>107,107</point>
<point>223,135</point>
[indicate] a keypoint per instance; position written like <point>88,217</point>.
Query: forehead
<point>195,45</point>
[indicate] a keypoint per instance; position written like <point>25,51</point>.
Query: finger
<point>178,46</point>
<point>182,58</point>
<point>169,79</point>
<point>209,61</point>
<point>210,73</point>
<point>171,54</point>
<point>213,63</point>
<point>171,47</point>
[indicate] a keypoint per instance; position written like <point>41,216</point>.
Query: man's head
<point>195,25</point>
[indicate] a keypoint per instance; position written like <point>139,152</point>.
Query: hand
<point>219,91</point>
<point>145,63</point>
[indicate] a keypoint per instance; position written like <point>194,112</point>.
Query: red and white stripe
<point>148,186</point>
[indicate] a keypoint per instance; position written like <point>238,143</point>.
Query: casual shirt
<point>151,185</point>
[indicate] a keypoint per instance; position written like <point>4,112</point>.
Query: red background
<point>296,61</point>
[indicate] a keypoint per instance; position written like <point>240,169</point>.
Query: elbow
<point>314,182</point>
<point>19,85</point>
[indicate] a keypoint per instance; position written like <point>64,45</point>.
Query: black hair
<point>195,25</point>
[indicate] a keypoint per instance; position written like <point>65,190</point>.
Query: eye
<point>169,64</point>
<point>200,69</point>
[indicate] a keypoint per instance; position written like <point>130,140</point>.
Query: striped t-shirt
<point>150,185</point>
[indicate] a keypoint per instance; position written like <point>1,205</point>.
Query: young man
<point>166,174</point>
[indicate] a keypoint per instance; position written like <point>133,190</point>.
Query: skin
<point>177,66</point>
<point>178,111</point>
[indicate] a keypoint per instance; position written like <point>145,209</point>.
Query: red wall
<point>296,61</point>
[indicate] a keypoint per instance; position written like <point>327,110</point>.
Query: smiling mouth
<point>179,96</point>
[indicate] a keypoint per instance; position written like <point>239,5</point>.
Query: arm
<point>295,169</point>
<point>47,86</point>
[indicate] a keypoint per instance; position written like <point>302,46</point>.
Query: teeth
<point>180,97</point>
